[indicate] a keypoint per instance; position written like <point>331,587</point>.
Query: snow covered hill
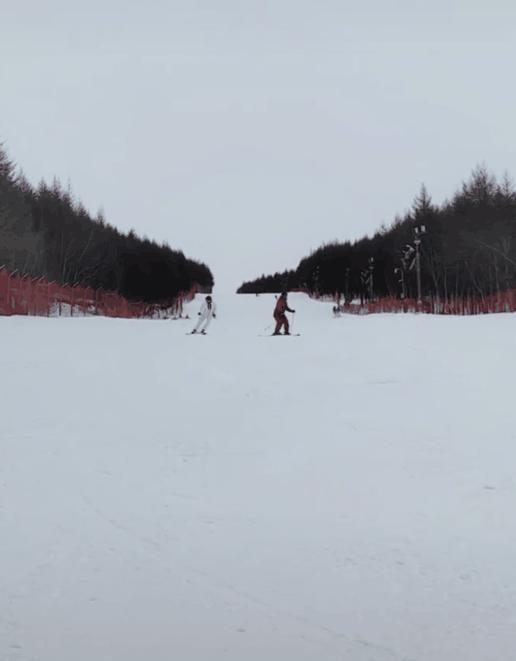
<point>346,494</point>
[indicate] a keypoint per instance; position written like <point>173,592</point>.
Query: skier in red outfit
<point>280,316</point>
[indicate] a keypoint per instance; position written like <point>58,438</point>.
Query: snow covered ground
<point>347,494</point>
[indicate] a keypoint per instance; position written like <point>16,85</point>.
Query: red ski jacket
<point>281,307</point>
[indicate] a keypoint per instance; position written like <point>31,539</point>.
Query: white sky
<point>249,132</point>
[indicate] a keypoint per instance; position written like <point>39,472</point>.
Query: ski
<point>281,335</point>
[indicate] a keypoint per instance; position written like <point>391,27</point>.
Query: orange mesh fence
<point>500,302</point>
<point>21,294</point>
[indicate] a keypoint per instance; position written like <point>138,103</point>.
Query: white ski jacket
<point>208,312</point>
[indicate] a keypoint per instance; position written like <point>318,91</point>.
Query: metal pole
<point>400,271</point>
<point>371,269</point>
<point>418,270</point>
<point>419,232</point>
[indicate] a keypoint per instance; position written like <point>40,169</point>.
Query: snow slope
<point>346,494</point>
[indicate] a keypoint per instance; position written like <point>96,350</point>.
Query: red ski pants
<point>281,322</point>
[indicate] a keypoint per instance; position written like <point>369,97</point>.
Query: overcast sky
<point>249,132</point>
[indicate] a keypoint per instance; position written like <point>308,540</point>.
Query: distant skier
<point>279,315</point>
<point>206,314</point>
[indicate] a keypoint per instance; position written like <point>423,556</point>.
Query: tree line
<point>46,232</point>
<point>467,247</point>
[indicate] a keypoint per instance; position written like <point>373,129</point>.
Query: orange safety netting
<point>21,294</point>
<point>504,301</point>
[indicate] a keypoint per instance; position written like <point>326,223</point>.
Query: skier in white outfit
<point>206,314</point>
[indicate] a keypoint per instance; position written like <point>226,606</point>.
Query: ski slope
<point>346,494</point>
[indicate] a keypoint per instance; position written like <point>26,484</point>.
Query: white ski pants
<point>204,321</point>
